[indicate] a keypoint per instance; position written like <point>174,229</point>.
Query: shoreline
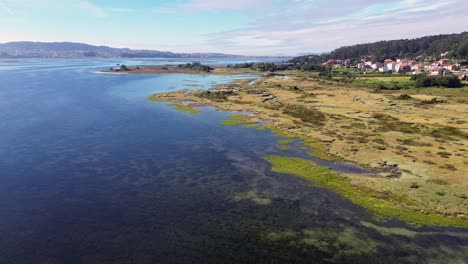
<point>174,69</point>
<point>111,73</point>
<point>336,124</point>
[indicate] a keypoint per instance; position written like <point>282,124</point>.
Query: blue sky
<point>250,27</point>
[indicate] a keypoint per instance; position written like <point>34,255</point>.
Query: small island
<point>194,67</point>
<point>187,68</point>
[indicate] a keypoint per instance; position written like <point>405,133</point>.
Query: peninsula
<point>414,137</point>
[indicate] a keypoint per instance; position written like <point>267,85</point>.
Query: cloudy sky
<point>250,27</point>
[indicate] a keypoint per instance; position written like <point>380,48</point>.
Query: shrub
<point>441,81</point>
<point>196,66</point>
<point>124,67</point>
<point>434,100</point>
<point>454,82</point>
<point>404,97</point>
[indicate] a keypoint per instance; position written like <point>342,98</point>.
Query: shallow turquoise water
<point>92,172</point>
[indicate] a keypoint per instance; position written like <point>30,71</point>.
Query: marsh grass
<point>284,144</point>
<point>285,141</point>
<point>388,123</point>
<point>307,115</point>
<point>383,204</point>
<point>235,120</point>
<point>185,108</point>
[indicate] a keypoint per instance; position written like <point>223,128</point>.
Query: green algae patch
<point>317,149</point>
<point>235,120</point>
<point>283,235</point>
<point>250,126</point>
<point>276,131</point>
<point>284,144</point>
<point>345,242</point>
<point>399,231</point>
<point>155,98</point>
<point>254,197</point>
<point>282,147</point>
<point>185,108</point>
<point>340,243</point>
<point>380,203</point>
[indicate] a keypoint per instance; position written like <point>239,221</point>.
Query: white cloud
<point>6,8</point>
<point>318,26</point>
<point>198,6</point>
<point>83,6</point>
<point>121,10</point>
<point>216,5</point>
<point>269,27</point>
<point>91,8</point>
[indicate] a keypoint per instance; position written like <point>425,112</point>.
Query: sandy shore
<point>110,72</point>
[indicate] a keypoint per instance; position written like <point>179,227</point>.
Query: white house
<point>416,67</point>
<point>443,61</point>
<point>391,66</point>
<point>376,65</point>
<point>450,67</point>
<point>402,66</point>
<point>440,71</point>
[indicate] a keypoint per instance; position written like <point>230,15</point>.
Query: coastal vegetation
<point>214,95</point>
<point>274,67</point>
<point>440,81</point>
<point>185,108</point>
<point>384,204</point>
<point>416,141</point>
<point>235,120</point>
<point>388,81</point>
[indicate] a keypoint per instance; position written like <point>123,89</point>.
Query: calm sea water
<point>92,172</point>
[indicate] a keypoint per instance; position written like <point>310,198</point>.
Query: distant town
<point>442,66</point>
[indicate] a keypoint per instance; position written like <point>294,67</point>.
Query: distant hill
<point>451,45</point>
<point>27,49</point>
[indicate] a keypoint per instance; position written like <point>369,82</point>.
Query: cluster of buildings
<point>440,67</point>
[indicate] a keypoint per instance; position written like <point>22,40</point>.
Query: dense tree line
<point>456,46</point>
<point>272,67</point>
<point>196,66</point>
<point>261,66</point>
<point>423,80</point>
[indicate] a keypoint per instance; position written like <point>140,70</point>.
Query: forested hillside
<point>455,45</point>
<point>28,49</point>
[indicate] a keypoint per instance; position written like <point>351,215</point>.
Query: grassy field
<point>392,79</point>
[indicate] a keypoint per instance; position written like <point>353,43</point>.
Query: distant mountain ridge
<point>29,49</point>
<point>449,45</point>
